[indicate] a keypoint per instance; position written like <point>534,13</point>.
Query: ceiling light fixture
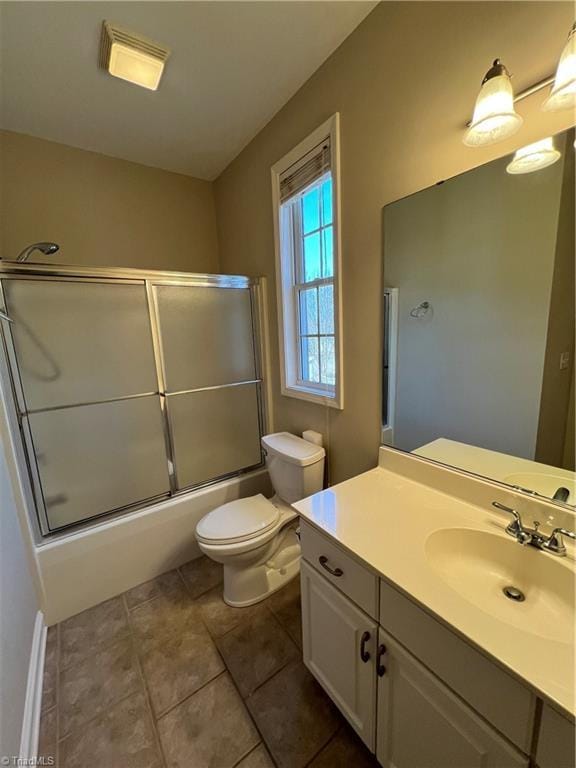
<point>563,95</point>
<point>495,118</point>
<point>534,157</point>
<point>132,57</point>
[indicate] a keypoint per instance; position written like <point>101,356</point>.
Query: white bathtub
<point>89,566</point>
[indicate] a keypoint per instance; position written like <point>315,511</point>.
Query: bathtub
<point>84,568</point>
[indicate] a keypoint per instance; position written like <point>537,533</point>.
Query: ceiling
<point>233,66</point>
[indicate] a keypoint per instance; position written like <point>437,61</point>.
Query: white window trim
<point>287,321</point>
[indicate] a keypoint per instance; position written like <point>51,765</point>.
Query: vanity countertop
<point>387,520</point>
<point>542,478</point>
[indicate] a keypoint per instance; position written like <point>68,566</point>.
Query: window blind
<point>301,174</point>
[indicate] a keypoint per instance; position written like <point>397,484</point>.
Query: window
<point>305,188</point>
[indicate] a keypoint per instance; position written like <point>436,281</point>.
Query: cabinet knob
<point>364,654</point>
<point>323,560</point>
<point>380,668</point>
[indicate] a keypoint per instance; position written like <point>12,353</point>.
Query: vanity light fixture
<point>534,157</point>
<point>563,95</point>
<point>495,118</point>
<point>132,57</point>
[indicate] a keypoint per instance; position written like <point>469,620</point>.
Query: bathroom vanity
<point>407,628</point>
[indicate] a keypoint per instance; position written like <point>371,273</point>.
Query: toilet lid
<point>238,520</point>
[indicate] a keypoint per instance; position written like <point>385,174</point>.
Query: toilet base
<point>250,585</point>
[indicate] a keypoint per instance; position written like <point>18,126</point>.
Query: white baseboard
<point>33,703</point>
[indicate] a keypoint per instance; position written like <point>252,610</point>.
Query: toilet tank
<point>296,467</point>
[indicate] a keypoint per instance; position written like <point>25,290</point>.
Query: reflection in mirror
<point>478,367</point>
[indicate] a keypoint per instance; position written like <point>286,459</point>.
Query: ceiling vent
<point>132,57</point>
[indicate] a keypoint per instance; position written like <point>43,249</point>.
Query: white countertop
<point>385,519</point>
<point>532,475</point>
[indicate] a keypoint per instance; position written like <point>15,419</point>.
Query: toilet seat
<point>238,521</point>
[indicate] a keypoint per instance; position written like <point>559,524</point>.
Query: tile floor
<point>168,676</point>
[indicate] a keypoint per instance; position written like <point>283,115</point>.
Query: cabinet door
<point>339,645</point>
<point>422,723</point>
<point>557,740</point>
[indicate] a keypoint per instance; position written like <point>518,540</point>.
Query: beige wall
<point>101,210</point>
<point>481,249</point>
<point>404,83</point>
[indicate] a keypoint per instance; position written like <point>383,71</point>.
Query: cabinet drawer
<point>491,691</point>
<point>556,742</point>
<point>340,568</point>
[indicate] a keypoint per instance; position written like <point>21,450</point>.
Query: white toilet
<point>255,538</point>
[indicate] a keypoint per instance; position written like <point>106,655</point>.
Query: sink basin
<point>480,565</point>
<point>543,483</point>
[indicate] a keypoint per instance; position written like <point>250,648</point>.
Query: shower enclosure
<point>129,387</point>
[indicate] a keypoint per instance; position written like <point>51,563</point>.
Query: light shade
<point>563,95</point>
<point>495,118</point>
<point>132,57</point>
<point>534,156</point>
<point>135,67</point>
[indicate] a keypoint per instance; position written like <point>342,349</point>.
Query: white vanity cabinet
<point>415,692</point>
<point>339,648</point>
<point>498,697</point>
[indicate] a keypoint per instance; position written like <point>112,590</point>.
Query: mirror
<point>478,365</point>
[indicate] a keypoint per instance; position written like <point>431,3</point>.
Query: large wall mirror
<point>478,367</point>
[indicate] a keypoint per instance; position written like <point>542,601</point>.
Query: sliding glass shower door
<point>211,382</point>
<point>131,390</point>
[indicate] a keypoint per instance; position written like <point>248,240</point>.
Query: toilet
<point>256,538</point>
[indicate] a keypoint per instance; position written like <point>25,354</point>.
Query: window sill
<point>313,396</point>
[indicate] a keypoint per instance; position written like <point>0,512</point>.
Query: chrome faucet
<point>552,544</point>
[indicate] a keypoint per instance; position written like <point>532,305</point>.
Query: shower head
<point>47,249</point>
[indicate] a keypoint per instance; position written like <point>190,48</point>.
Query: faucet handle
<point>554,543</point>
<point>504,508</point>
<point>515,528</point>
<point>516,525</point>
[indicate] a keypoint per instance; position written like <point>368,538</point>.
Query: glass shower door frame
<point>165,395</point>
<point>149,279</point>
